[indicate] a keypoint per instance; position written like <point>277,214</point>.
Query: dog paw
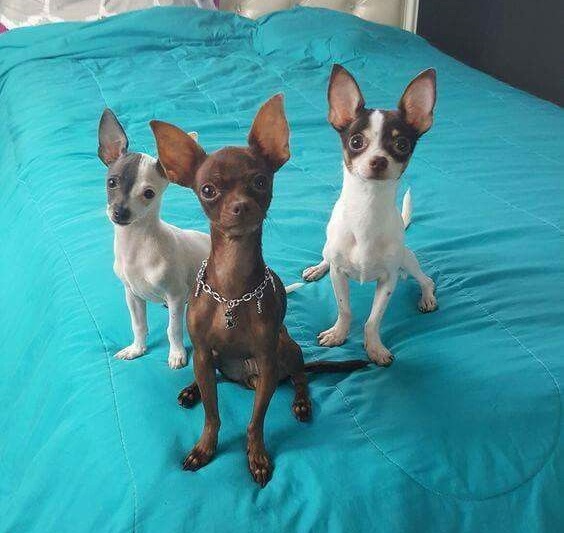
<point>334,336</point>
<point>313,273</point>
<point>189,396</point>
<point>428,303</point>
<point>131,352</point>
<point>302,409</point>
<point>260,467</point>
<point>379,354</point>
<point>199,456</point>
<point>177,358</point>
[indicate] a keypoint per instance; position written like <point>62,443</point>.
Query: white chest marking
<point>365,236</point>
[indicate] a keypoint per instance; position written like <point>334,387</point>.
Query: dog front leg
<point>336,335</point>
<point>260,465</point>
<point>175,332</point>
<point>372,342</point>
<point>138,312</point>
<point>205,448</point>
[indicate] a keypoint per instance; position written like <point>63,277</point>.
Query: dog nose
<point>240,207</point>
<point>120,214</point>
<point>379,164</point>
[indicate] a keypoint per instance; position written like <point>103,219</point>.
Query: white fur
<point>365,242</point>
<point>406,208</point>
<point>158,262</point>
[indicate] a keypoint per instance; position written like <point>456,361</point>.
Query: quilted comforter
<point>461,434</point>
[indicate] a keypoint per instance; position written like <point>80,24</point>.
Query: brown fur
<point>258,352</point>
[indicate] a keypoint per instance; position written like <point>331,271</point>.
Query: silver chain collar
<point>230,318</point>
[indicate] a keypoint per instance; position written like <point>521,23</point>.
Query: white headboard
<point>400,13</point>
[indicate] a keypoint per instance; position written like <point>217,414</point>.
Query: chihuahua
<point>236,312</point>
<point>365,235</point>
<point>154,260</point>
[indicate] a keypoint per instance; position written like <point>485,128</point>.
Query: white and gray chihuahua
<point>155,260</point>
<point>365,235</point>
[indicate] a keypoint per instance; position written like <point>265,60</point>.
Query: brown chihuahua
<point>236,313</point>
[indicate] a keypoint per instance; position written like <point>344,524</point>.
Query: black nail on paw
<point>189,396</point>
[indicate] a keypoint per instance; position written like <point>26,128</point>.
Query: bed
<point>461,434</point>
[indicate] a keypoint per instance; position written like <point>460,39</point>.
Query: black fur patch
<point>358,125</point>
<point>394,126</point>
<point>124,171</point>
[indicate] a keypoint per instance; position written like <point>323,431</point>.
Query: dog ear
<point>112,140</point>
<point>418,100</point>
<point>180,155</point>
<point>270,133</point>
<point>345,99</point>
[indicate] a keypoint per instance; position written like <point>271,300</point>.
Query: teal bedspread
<point>461,434</point>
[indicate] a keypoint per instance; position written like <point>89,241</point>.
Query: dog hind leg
<point>177,352</point>
<point>428,301</point>
<point>291,359</point>
<point>313,273</point>
<point>189,396</point>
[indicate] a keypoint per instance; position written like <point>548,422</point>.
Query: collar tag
<point>230,318</point>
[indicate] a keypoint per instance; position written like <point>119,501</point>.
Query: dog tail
<point>321,367</point>
<point>406,208</point>
<point>293,287</point>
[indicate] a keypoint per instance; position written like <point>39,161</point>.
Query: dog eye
<point>259,182</point>
<point>208,191</point>
<point>149,193</point>
<point>402,144</point>
<point>356,142</point>
<point>112,183</point>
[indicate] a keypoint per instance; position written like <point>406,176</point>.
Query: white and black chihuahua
<point>365,235</point>
<point>155,260</point>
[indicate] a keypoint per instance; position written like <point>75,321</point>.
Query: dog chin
<point>239,230</point>
<point>370,177</point>
<point>391,175</point>
<point>121,223</point>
